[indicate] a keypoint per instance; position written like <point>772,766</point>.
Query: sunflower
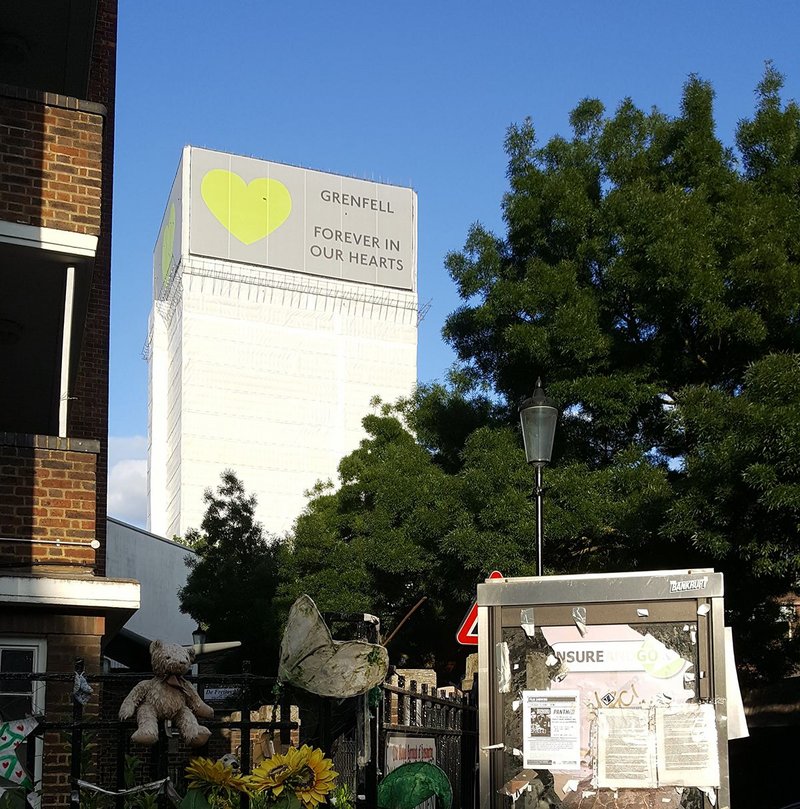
<point>318,778</point>
<point>305,772</point>
<point>272,774</point>
<point>203,773</point>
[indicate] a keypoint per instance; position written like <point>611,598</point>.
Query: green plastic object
<point>411,784</point>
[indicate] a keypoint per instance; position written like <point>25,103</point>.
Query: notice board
<point>604,691</point>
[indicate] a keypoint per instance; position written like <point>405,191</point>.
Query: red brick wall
<point>56,627</point>
<point>88,417</point>
<point>47,494</point>
<point>68,636</point>
<point>50,165</point>
<point>56,170</point>
<point>81,638</point>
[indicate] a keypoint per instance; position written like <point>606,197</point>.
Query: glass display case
<point>603,691</point>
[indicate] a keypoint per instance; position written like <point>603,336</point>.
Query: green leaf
<point>195,799</point>
<point>288,800</point>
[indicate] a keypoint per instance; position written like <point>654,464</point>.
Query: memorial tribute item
<point>168,695</point>
<point>313,661</point>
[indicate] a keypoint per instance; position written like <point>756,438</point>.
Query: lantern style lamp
<point>201,647</point>
<point>199,636</point>
<point>538,417</point>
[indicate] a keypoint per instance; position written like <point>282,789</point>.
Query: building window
<point>23,697</point>
<point>42,322</point>
<point>16,696</point>
<point>20,698</point>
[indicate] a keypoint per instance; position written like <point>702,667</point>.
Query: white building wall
<point>157,425</point>
<point>271,376</point>
<point>173,325</point>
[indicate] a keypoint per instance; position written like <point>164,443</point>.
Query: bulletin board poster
<point>619,723</point>
<point>551,729</point>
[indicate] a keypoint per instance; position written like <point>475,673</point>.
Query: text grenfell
<point>370,203</point>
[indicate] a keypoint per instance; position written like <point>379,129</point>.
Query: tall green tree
<point>368,545</point>
<point>234,576</point>
<point>650,274</point>
<point>402,525</point>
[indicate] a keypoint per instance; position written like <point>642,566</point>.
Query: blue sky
<point>413,93</point>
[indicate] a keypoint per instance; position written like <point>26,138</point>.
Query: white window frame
<point>39,648</point>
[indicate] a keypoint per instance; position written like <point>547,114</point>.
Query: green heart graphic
<point>167,244</point>
<point>249,212</point>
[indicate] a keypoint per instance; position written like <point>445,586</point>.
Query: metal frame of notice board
<point>592,686</point>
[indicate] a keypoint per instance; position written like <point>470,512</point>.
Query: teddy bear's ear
<point>192,654</point>
<point>155,646</point>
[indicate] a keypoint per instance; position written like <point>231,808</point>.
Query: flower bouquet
<point>298,779</point>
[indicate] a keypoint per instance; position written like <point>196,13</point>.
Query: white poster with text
<point>551,730</point>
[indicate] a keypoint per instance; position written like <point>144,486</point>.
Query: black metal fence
<point>86,749</point>
<point>418,712</point>
<point>73,742</point>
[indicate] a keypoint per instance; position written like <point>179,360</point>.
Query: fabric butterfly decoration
<point>312,660</point>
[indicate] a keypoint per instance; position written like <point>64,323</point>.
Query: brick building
<point>57,76</point>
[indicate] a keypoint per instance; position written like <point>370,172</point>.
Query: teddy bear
<point>168,695</point>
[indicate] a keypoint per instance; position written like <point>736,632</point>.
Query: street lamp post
<point>538,417</point>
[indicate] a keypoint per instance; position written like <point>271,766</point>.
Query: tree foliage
<point>638,259</point>
<point>233,579</point>
<point>400,527</point>
<point>650,274</point>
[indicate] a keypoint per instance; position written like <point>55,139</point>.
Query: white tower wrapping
<point>284,301</point>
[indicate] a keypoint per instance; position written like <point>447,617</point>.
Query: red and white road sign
<point>467,634</point>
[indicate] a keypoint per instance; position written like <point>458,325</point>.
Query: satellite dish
<point>313,661</point>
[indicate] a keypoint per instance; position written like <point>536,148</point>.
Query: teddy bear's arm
<point>134,699</point>
<point>197,705</point>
